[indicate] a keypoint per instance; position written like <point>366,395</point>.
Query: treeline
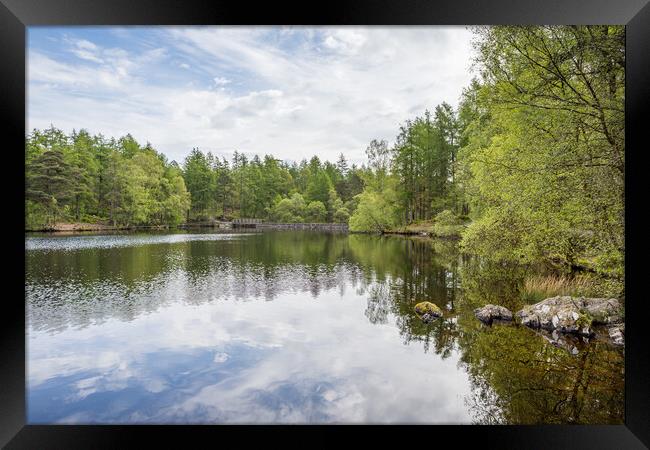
<point>268,188</point>
<point>86,178</point>
<point>534,153</point>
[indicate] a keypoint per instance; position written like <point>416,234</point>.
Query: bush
<point>376,212</point>
<point>316,211</point>
<point>501,235</point>
<point>341,216</point>
<point>447,225</point>
<point>290,210</point>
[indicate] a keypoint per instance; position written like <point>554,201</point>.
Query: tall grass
<point>539,287</point>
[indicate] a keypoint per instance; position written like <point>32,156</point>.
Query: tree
<point>49,181</point>
<point>342,165</point>
<point>552,150</point>
<point>316,212</point>
<point>377,210</point>
<point>199,179</point>
<point>319,186</point>
<point>84,177</point>
<point>290,210</point>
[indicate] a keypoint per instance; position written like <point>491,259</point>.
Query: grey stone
<point>571,314</point>
<point>488,313</point>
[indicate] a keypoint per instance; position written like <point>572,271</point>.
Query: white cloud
<point>292,91</point>
<point>221,81</point>
<point>84,44</point>
<point>348,41</point>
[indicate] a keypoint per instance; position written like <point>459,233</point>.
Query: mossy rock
<point>429,308</point>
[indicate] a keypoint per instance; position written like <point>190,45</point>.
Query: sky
<point>292,92</point>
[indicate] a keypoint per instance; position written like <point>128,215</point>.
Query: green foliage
<point>37,215</point>
<point>71,178</point>
<point>49,183</point>
<point>319,186</point>
<point>256,187</point>
<point>82,177</point>
<point>543,159</point>
<point>378,209</point>
<point>199,179</point>
<point>342,215</point>
<point>447,224</point>
<point>534,154</point>
<point>316,212</point>
<point>501,235</point>
<point>290,210</point>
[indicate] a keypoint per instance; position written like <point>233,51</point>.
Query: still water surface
<point>289,327</point>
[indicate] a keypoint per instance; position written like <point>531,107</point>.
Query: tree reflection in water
<point>517,376</point>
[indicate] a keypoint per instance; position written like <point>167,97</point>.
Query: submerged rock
<point>488,313</point>
<point>617,334</point>
<point>427,311</point>
<point>571,314</point>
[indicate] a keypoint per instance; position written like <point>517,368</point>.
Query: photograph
<point>333,224</point>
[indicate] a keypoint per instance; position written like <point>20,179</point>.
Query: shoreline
<point>68,227</point>
<point>81,226</point>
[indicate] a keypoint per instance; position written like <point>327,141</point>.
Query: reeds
<point>539,287</point>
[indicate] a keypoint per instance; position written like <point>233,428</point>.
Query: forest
<point>86,178</point>
<point>529,167</point>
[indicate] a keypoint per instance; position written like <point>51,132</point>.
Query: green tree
<point>199,180</point>
<point>551,154</point>
<point>319,186</point>
<point>48,182</point>
<point>316,212</point>
<point>378,209</point>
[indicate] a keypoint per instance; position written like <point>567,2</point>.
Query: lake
<point>291,327</point>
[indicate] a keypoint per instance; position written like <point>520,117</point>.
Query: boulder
<point>570,314</point>
<point>427,311</point>
<point>488,313</point>
<point>603,311</point>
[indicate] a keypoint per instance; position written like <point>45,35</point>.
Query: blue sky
<point>290,91</point>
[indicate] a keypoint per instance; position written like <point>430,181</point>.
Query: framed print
<point>375,217</point>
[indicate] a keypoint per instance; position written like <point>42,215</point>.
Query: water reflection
<point>290,327</point>
<point>519,378</point>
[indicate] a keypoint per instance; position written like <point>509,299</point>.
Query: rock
<point>488,313</point>
<point>427,311</point>
<point>617,334</point>
<point>603,311</point>
<point>570,314</point>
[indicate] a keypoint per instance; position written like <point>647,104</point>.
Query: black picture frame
<point>16,15</point>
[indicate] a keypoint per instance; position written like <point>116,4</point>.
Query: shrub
<point>447,225</point>
<point>341,216</point>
